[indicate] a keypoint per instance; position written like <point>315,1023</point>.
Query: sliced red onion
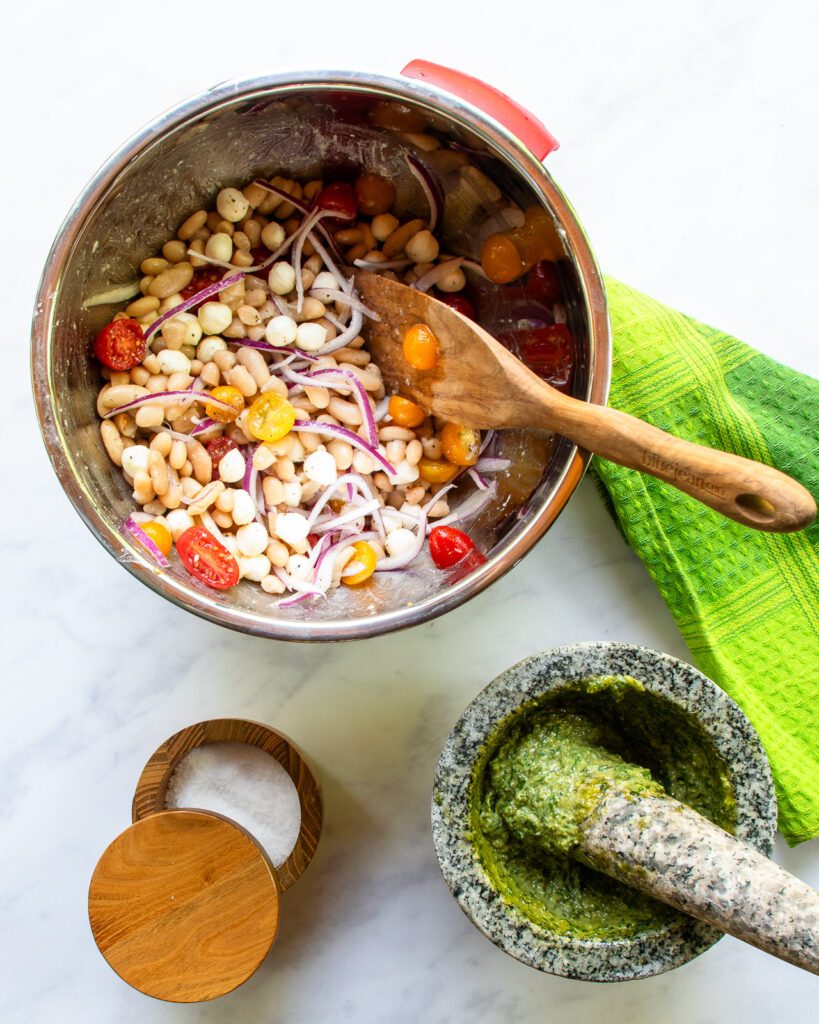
<point>431,188</point>
<point>351,516</point>
<point>381,409</point>
<point>344,379</point>
<point>211,527</point>
<point>347,298</point>
<point>437,497</point>
<point>194,300</point>
<point>491,465</point>
<point>325,567</point>
<point>321,544</point>
<point>470,506</point>
<point>301,238</point>
<point>288,602</point>
<point>167,398</point>
<point>283,194</point>
<point>293,583</point>
<point>400,561</point>
<point>386,265</point>
<point>139,534</point>
<point>331,262</point>
<point>313,427</point>
<point>346,336</point>
<point>479,481</point>
<point>426,281</point>
<point>204,425</point>
<point>476,267</point>
<point>489,437</point>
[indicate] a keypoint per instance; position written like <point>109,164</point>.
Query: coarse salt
<point>245,784</point>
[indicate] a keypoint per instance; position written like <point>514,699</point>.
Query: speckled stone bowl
<point>591,959</point>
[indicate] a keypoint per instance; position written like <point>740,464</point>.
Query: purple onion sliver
<point>139,534</point>
<point>206,424</point>
<point>479,481</point>
<point>431,188</point>
<point>313,427</point>
<point>161,397</point>
<point>194,300</point>
<point>426,281</point>
<point>492,465</point>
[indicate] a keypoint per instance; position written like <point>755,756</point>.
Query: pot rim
<point>226,94</point>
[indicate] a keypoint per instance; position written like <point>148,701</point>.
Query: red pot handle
<point>511,115</point>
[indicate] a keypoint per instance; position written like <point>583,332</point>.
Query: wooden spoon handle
<point>749,492</point>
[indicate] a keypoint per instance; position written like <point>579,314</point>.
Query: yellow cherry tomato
<point>406,413</point>
<point>500,259</point>
<point>365,556</point>
<point>421,347</point>
<point>270,417</point>
<point>233,397</point>
<point>435,471</point>
<point>461,445</point>
<point>160,535</point>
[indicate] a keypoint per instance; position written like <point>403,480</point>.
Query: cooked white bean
<point>232,205</point>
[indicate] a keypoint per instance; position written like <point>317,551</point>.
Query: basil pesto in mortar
<point>543,771</point>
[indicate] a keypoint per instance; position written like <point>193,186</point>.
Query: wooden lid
<point>184,905</point>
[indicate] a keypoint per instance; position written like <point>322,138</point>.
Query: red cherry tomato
<point>120,345</point>
<point>202,277</point>
<point>206,559</point>
<point>457,302</point>
<point>218,449</point>
<point>340,198</point>
<point>542,283</point>
<point>449,546</point>
<point>549,352</point>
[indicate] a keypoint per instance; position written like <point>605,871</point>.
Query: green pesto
<point>543,772</point>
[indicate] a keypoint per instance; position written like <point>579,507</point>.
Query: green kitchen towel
<point>746,602</point>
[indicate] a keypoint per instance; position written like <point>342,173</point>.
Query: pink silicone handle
<point>497,104</point>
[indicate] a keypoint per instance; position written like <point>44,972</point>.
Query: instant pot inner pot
<point>305,134</point>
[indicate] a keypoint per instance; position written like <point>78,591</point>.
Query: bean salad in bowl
<point>246,414</point>
<point>201,368</point>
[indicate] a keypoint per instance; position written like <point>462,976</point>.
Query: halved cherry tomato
<point>549,351</point>
<point>374,194</point>
<point>160,535</point>
<point>500,259</point>
<point>233,397</point>
<point>365,557</point>
<point>218,449</point>
<point>206,559</point>
<point>449,546</point>
<point>460,445</point>
<point>457,302</point>
<point>542,282</point>
<point>120,345</point>
<point>340,198</point>
<point>202,277</point>
<point>270,417</point>
<point>436,471</point>
<point>420,347</point>
<point>406,413</point>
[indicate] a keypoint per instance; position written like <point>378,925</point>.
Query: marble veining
<point>688,151</point>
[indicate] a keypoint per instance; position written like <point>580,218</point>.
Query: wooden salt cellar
<point>184,905</point>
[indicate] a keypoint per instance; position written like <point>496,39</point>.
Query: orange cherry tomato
<point>366,558</point>
<point>460,445</point>
<point>406,413</point>
<point>160,535</point>
<point>436,471</point>
<point>206,559</point>
<point>120,345</point>
<point>270,417</point>
<point>421,347</point>
<point>500,260</point>
<point>375,194</point>
<point>233,397</point>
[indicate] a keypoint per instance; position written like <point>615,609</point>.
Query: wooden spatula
<point>478,383</point>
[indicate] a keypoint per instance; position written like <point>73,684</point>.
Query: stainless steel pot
<point>304,125</point>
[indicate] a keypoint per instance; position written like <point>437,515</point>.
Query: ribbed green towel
<point>746,602</point>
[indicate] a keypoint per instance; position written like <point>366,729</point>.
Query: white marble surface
<point>689,150</point>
